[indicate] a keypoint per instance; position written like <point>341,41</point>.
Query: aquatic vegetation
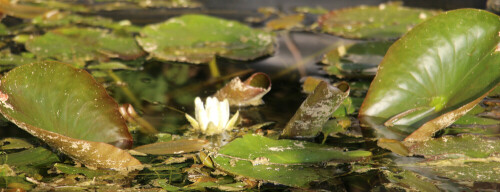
<point>111,112</point>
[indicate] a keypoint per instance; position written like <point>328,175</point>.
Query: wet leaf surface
<point>456,146</point>
<point>262,150</point>
<point>77,45</point>
<point>412,88</point>
<point>65,117</point>
<point>386,21</point>
<point>199,38</point>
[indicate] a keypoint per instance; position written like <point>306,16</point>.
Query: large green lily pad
<point>386,21</point>
<point>434,75</point>
<point>69,110</point>
<point>263,150</point>
<point>78,44</point>
<point>287,162</point>
<point>199,38</point>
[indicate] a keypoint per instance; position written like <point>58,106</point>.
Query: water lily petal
<point>201,114</point>
<point>192,121</point>
<point>233,121</point>
<point>224,113</point>
<point>212,108</point>
<point>211,129</point>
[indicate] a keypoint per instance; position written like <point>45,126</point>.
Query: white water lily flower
<point>213,117</point>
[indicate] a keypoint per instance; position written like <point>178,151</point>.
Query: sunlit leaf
<point>464,145</point>
<point>199,38</point>
<point>291,175</point>
<point>67,109</point>
<point>431,76</point>
<point>466,169</point>
<point>285,22</point>
<point>386,21</point>
<point>262,150</point>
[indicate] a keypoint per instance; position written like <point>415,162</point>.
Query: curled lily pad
<point>316,110</point>
<point>386,21</point>
<point>199,38</point>
<point>66,108</point>
<point>77,45</point>
<point>434,75</point>
<point>245,93</point>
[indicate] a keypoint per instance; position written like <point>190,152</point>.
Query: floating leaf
<point>245,93</point>
<point>465,145</point>
<point>60,19</point>
<point>386,21</point>
<point>468,169</point>
<point>198,38</point>
<point>72,170</point>
<point>285,22</point>
<point>316,110</point>
<point>432,76</point>
<point>14,143</point>
<point>411,181</point>
<point>291,175</point>
<point>262,150</point>
<point>357,60</point>
<point>35,157</point>
<point>77,44</point>
<point>172,147</point>
<point>66,108</point>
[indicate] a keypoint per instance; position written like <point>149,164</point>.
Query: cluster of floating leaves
<point>100,145</point>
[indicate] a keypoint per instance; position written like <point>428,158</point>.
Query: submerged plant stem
<point>125,90</point>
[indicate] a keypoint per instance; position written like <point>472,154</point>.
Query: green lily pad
<point>434,75</point>
<point>468,169</point>
<point>263,150</point>
<point>34,157</point>
<point>77,45</point>
<point>386,21</point>
<point>60,19</point>
<point>66,108</point>
<point>291,175</point>
<point>410,181</point>
<point>199,38</point>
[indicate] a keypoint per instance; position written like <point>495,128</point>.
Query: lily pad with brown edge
<point>79,44</point>
<point>386,21</point>
<point>199,38</point>
<point>433,75</point>
<point>249,92</point>
<point>66,108</point>
<point>318,107</point>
